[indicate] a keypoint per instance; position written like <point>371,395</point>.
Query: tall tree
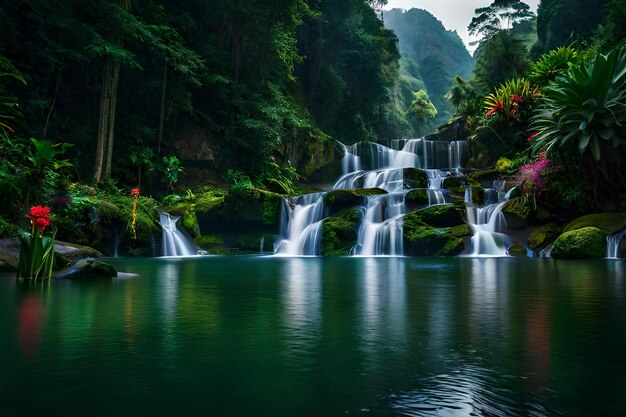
<point>499,15</point>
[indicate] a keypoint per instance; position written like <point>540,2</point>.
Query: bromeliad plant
<point>585,108</point>
<point>513,100</point>
<point>36,250</point>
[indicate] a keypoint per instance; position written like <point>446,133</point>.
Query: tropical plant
<point>513,100</point>
<point>171,168</point>
<point>586,107</point>
<point>8,102</point>
<point>143,159</point>
<point>421,109</point>
<point>238,180</point>
<point>554,63</point>
<point>36,258</point>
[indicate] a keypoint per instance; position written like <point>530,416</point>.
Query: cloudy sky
<point>455,14</point>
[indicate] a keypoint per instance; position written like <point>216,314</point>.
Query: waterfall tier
<point>613,242</point>
<point>366,166</point>
<point>175,243</point>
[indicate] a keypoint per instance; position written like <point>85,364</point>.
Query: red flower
<point>135,192</point>
<point>39,217</point>
<point>516,99</point>
<point>41,223</point>
<point>38,211</point>
<point>532,136</point>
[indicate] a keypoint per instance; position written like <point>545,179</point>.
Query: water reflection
<point>488,308</point>
<point>168,287</point>
<point>30,322</point>
<point>308,336</point>
<point>302,300</point>
<point>383,312</point>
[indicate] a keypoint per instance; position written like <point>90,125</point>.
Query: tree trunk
<point>54,100</point>
<point>108,100</point>
<point>110,77</point>
<point>113,104</point>
<point>162,112</point>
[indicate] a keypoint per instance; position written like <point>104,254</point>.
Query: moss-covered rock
<point>458,182</point>
<point>609,222</point>
<point>87,269</point>
<point>440,215</point>
<point>190,223</point>
<point>338,200</point>
<point>517,250</point>
<point>417,197</point>
<point>315,155</point>
<point>586,242</point>
<point>543,235</point>
<point>340,233</point>
<point>517,213</point>
<point>415,178</point>
<point>422,239</point>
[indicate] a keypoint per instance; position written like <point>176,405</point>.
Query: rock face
<point>517,213</point>
<point>236,223</point>
<point>586,242</point>
<point>609,222</point>
<point>435,230</point>
<point>340,232</point>
<point>87,269</point>
<point>543,236</point>
<point>67,252</point>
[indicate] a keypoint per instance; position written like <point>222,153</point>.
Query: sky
<point>454,14</point>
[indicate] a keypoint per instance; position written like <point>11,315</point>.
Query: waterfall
<point>612,244</point>
<point>301,225</point>
<point>487,223</point>
<point>175,243</point>
<point>371,165</point>
<point>381,229</point>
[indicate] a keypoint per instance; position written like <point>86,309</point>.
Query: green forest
<point>206,104</point>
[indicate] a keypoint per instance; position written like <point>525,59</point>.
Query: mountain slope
<point>438,53</point>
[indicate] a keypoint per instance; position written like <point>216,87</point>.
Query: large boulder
<point>543,236</point>
<point>440,215</point>
<point>87,269</point>
<point>586,242</point>
<point>517,213</point>
<point>609,222</point>
<point>340,232</point>
<point>415,178</point>
<point>65,252</point>
<point>421,239</point>
<point>338,200</point>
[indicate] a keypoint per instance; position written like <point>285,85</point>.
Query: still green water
<point>266,336</point>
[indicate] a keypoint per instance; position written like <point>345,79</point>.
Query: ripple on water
<point>467,390</point>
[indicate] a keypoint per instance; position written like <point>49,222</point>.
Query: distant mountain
<point>439,54</point>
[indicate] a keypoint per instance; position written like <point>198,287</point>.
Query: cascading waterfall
<point>487,222</point>
<point>301,225</point>
<point>175,243</point>
<point>371,165</point>
<point>613,243</point>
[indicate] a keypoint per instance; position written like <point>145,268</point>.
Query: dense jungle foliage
<point>105,95</point>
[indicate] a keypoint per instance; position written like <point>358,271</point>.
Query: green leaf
<point>595,148</point>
